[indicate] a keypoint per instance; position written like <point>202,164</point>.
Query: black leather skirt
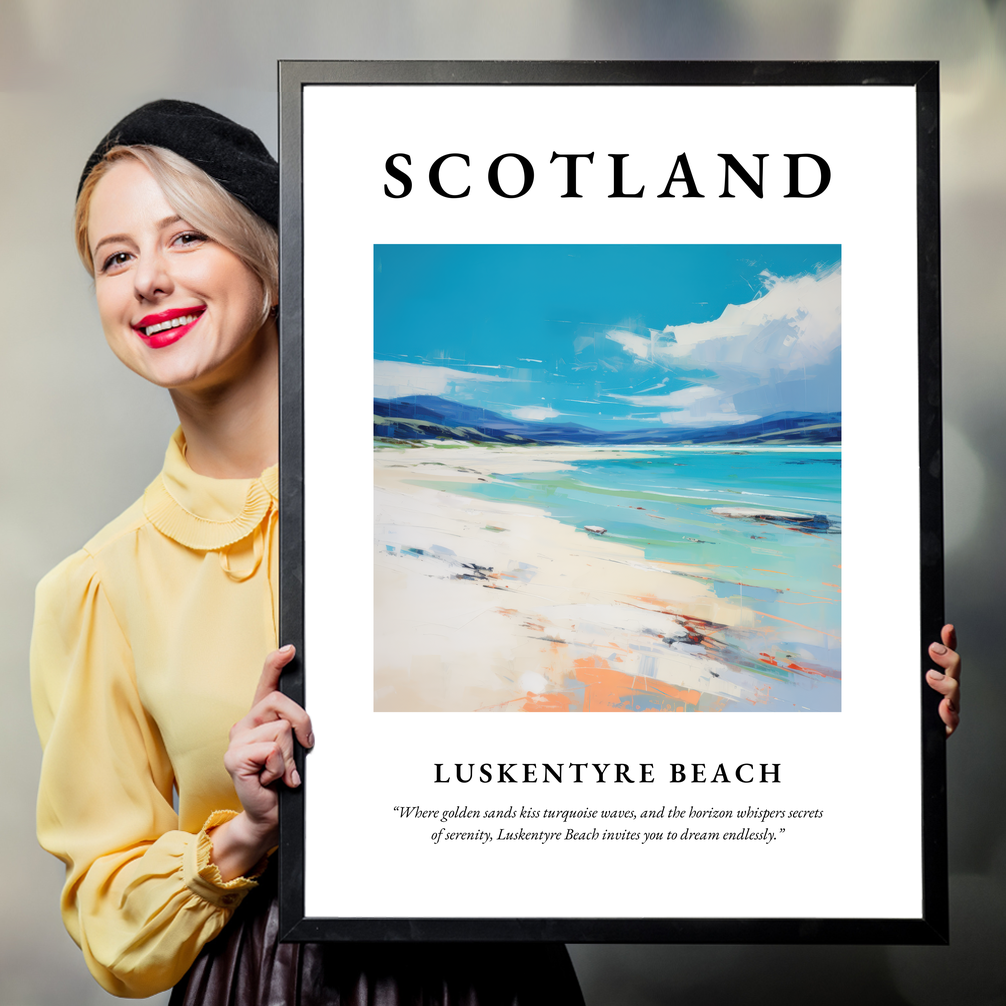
<point>246,965</point>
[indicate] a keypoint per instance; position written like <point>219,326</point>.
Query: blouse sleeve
<point>141,898</point>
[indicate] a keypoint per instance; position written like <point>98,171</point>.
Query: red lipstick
<point>166,328</point>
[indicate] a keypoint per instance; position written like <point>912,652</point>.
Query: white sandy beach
<point>487,605</point>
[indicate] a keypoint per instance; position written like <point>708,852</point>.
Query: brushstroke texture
<point>607,478</point>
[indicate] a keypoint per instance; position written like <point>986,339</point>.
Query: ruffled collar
<point>203,513</point>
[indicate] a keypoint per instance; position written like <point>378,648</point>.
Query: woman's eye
<point>114,261</point>
<point>190,238</point>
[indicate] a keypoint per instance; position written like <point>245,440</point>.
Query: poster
<point>602,389</point>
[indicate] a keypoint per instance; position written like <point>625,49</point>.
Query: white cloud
<point>797,323</point>
<point>794,328</point>
<point>700,405</point>
<point>533,413</point>
<point>637,345</point>
<point>680,399</point>
<point>393,379</point>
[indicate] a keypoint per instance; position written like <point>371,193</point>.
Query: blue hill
<point>427,417</point>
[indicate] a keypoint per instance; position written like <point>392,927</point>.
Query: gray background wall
<point>82,436</point>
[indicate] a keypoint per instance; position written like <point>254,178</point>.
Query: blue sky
<point>612,336</point>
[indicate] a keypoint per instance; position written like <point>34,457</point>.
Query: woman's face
<point>177,308</point>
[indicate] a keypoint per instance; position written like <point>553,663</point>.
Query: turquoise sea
<point>665,502</point>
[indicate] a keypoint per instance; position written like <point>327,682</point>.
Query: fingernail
<point>936,675</point>
<point>938,648</point>
<point>295,777</point>
<point>310,740</point>
<point>287,649</point>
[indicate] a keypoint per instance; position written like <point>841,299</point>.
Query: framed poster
<point>610,393</point>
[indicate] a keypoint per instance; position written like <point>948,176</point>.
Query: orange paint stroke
<point>778,572</point>
<point>651,599</point>
<point>610,689</point>
<point>835,585</point>
<point>799,625</point>
<point>498,706</point>
<point>805,670</point>
<point>553,702</point>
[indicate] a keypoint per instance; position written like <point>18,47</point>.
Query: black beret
<point>230,154</point>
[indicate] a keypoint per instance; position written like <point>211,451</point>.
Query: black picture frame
<point>932,925</point>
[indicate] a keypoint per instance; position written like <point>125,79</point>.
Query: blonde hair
<point>199,200</point>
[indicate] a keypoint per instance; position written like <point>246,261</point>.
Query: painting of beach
<point>607,478</point>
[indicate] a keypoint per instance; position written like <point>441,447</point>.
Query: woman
<point>148,643</point>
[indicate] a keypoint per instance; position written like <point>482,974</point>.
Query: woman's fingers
<point>271,671</point>
<point>261,749</point>
<point>947,686</point>
<point>274,766</point>
<point>270,703</point>
<point>277,706</point>
<point>949,709</point>
<point>946,681</point>
<point>261,761</point>
<point>274,735</point>
<point>948,658</point>
<point>950,716</point>
<point>949,636</point>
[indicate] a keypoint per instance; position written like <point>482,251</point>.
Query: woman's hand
<point>947,682</point>
<point>260,753</point>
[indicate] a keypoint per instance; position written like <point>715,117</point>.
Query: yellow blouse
<point>147,647</point>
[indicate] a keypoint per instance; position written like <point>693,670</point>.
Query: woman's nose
<point>152,277</point>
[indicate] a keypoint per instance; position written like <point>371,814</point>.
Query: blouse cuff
<point>202,876</point>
